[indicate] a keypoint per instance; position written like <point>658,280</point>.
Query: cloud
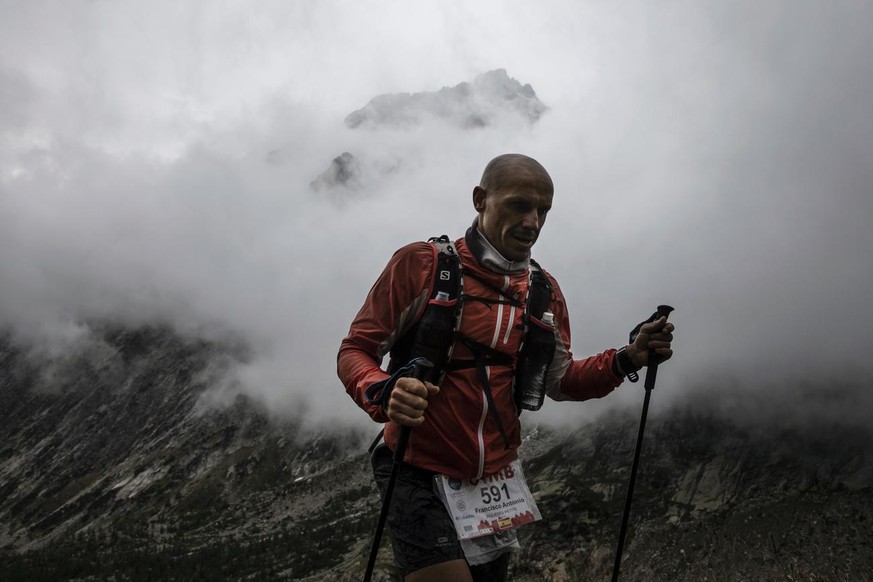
<point>156,162</point>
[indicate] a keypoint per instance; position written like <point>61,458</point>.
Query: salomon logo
<point>445,275</point>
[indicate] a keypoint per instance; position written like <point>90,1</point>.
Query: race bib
<point>481,507</point>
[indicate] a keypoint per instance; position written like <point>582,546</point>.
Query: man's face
<point>511,217</point>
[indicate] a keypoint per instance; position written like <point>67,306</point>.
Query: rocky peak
<point>467,105</point>
<point>492,99</point>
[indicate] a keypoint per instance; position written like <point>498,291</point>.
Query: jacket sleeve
<point>393,305</point>
<point>570,379</point>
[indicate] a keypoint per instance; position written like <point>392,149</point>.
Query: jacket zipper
<point>497,327</point>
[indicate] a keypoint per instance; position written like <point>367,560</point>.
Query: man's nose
<point>531,220</point>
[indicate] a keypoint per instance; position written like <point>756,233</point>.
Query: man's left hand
<point>655,336</point>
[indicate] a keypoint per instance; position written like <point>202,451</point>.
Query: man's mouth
<point>527,239</point>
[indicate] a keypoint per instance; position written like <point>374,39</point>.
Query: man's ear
<point>479,195</point>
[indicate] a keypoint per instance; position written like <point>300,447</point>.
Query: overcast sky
<point>155,162</point>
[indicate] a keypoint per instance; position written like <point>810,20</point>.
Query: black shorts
<point>422,533</point>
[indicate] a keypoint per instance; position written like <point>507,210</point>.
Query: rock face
<point>492,99</point>
<point>112,465</point>
<point>466,105</point>
<point>115,456</point>
<point>343,171</point>
<point>713,500</point>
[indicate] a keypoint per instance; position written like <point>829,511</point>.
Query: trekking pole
<point>649,385</point>
<point>422,367</point>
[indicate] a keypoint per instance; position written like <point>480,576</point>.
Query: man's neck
<point>490,257</point>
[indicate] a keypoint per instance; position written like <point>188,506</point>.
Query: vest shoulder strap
<point>448,279</point>
<point>541,292</point>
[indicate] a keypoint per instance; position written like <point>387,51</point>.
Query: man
<point>468,428</point>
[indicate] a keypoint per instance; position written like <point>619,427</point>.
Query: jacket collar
<point>488,256</point>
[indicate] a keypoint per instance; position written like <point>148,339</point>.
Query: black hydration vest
<point>435,334</point>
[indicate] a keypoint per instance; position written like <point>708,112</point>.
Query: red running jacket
<point>459,436</point>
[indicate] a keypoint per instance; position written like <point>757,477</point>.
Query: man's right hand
<point>408,401</point>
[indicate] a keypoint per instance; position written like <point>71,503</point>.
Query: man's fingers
<point>411,386</point>
<point>407,406</point>
<point>409,400</point>
<point>406,409</point>
<point>406,417</point>
<point>655,326</point>
<point>656,331</point>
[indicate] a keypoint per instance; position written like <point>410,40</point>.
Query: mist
<point>156,161</point>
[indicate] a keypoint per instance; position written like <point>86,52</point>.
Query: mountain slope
<point>113,465</point>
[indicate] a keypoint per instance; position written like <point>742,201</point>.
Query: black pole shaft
<point>421,368</point>
<point>649,385</point>
<point>630,486</point>
<point>386,502</point>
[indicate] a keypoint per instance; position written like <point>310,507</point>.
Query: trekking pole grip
<point>652,366</point>
<point>423,367</point>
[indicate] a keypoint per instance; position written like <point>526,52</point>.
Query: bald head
<point>512,200</point>
<point>515,170</point>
